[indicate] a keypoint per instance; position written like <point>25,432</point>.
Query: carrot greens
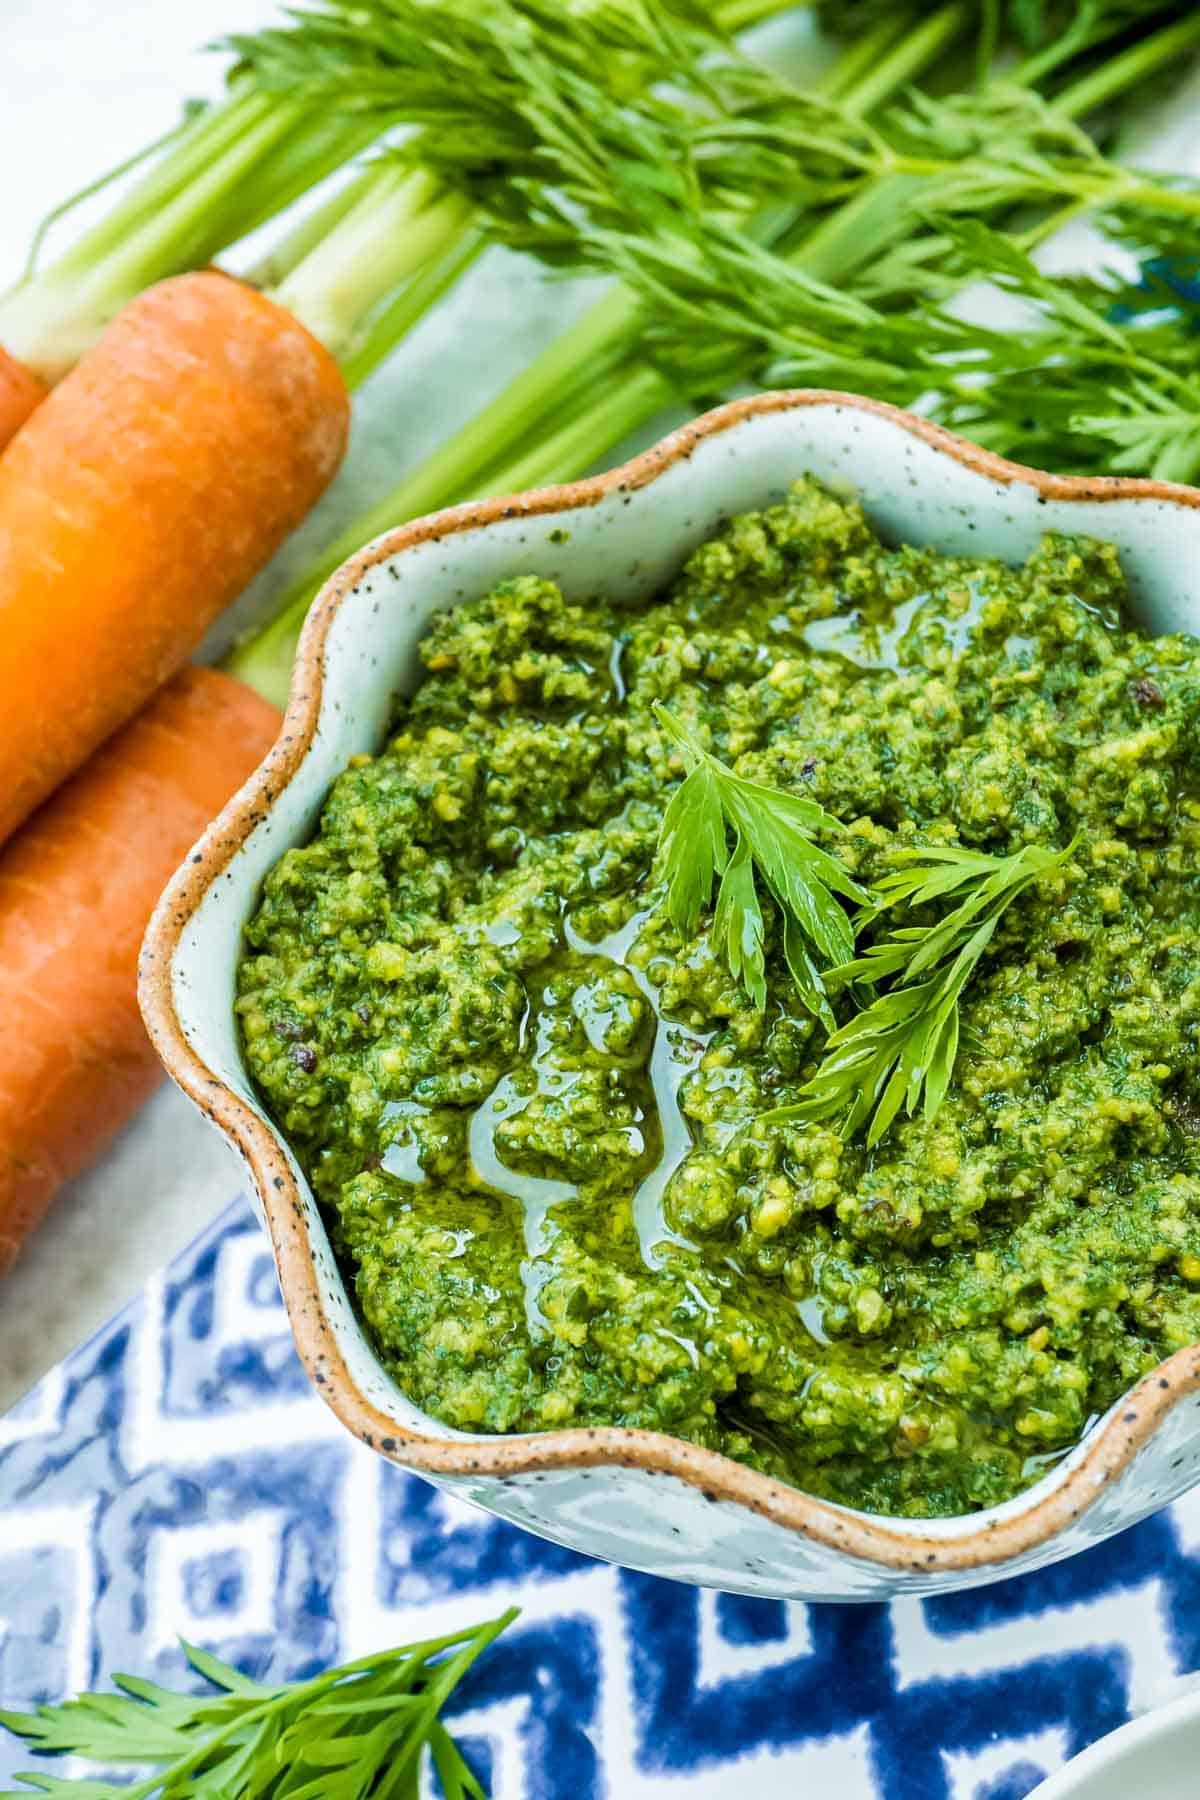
<point>1051,31</point>
<point>336,1734</point>
<point>1105,376</point>
<point>587,390</point>
<point>901,1048</point>
<point>400,228</point>
<point>773,835</point>
<point>759,235</point>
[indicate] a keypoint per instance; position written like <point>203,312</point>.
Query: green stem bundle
<point>589,375</point>
<point>592,376</point>
<point>401,224</point>
<point>225,171</point>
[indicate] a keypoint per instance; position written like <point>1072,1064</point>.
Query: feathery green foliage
<point>773,838</point>
<point>1106,374</point>
<point>332,1737</point>
<point>900,1050</point>
<point>702,199</point>
<point>1072,26</point>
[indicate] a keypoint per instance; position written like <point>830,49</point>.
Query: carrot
<point>138,500</point>
<point>77,885</point>
<point>20,392</point>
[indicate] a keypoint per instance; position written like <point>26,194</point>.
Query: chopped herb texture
<point>566,953</point>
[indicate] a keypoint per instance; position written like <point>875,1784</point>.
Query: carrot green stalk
<point>740,15</point>
<point>592,376</point>
<point>138,500</point>
<point>1118,73</point>
<point>870,51</point>
<point>401,224</point>
<point>223,172</point>
<point>883,210</point>
<point>228,169</point>
<point>392,320</point>
<point>311,229</point>
<point>405,232</point>
<point>90,864</point>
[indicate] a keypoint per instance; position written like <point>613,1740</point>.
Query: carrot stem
<point>218,176</point>
<point>589,375</point>
<point>277,263</point>
<point>907,60</point>
<point>402,221</point>
<point>866,225</point>
<point>392,322</point>
<point>317,146</point>
<point>859,59</point>
<point>621,408</point>
<point>360,271</point>
<point>741,15</point>
<point>90,189</point>
<point>1130,68</point>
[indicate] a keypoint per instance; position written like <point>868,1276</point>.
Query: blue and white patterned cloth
<point>177,1476</point>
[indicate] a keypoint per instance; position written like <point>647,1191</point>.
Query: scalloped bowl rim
<point>980,1541</point>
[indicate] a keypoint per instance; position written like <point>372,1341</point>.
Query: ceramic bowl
<point>636,1497</point>
<point>1155,1757</point>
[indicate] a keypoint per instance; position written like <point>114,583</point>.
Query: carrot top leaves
<point>900,1050</point>
<point>773,835</point>
<point>335,1735</point>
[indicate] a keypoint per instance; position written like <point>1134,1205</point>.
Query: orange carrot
<point>20,392</point>
<point>138,499</point>
<point>77,885</point>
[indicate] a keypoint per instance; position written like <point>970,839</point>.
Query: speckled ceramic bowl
<point>638,1497</point>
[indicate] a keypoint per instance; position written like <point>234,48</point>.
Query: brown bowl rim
<point>891,1544</point>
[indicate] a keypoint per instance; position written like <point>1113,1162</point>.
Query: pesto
<point>538,1113</point>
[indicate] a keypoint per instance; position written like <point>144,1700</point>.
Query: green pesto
<point>535,1114</point>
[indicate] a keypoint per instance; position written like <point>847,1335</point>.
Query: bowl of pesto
<point>708,987</point>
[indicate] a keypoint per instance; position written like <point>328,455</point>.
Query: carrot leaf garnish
<point>773,841</point>
<point>900,1050</point>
